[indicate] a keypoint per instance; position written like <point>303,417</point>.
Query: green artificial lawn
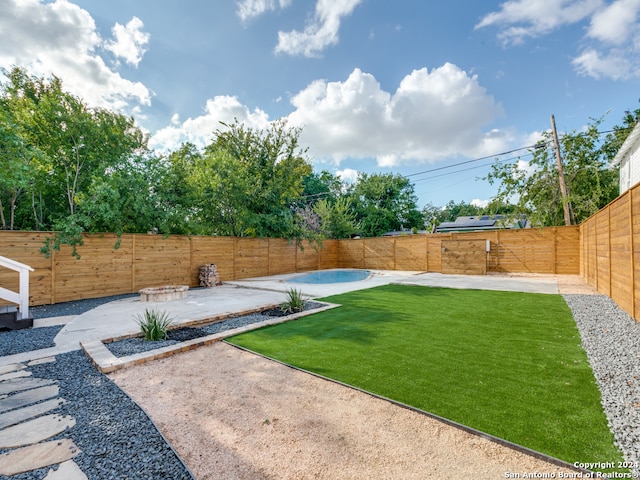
<point>506,363</point>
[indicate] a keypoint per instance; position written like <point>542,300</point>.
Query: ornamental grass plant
<point>294,303</point>
<point>154,324</point>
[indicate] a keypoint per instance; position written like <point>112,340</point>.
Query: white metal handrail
<point>22,296</point>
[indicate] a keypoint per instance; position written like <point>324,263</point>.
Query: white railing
<point>22,297</point>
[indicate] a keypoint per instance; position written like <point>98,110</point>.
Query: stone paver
<point>34,431</point>
<point>18,374</point>
<point>68,470</point>
<point>12,367</point>
<point>23,399</point>
<point>14,417</point>
<point>37,456</point>
<point>40,361</point>
<point>26,383</point>
<point>25,425</point>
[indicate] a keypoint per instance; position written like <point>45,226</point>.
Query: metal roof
<point>480,222</point>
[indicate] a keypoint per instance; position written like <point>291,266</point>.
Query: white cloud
<point>199,130</point>
<point>249,9</point>
<point>129,42</point>
<point>526,168</point>
<point>526,18</point>
<point>614,64</point>
<point>60,38</point>
<point>430,116</point>
<point>477,202</point>
<point>612,37</point>
<point>616,34</point>
<point>617,23</point>
<point>320,32</point>
<point>348,175</point>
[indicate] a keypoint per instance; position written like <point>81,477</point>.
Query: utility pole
<point>563,188</point>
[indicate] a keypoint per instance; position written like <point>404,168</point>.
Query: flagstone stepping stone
<point>18,374</point>
<point>25,413</point>
<point>35,430</point>
<point>68,470</point>
<point>36,456</point>
<point>27,383</point>
<point>23,399</point>
<point>40,361</point>
<point>12,367</point>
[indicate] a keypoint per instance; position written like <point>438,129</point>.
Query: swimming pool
<point>331,276</point>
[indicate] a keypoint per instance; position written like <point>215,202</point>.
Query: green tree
<point>131,199</point>
<point>323,185</point>
<point>453,210</point>
<point>16,165</point>
<point>250,182</point>
<point>222,194</point>
<point>384,202</point>
<point>337,218</point>
<point>76,146</point>
<point>591,180</point>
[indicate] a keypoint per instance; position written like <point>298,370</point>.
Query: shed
<point>628,157</point>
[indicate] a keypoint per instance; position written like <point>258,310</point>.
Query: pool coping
<point>107,362</point>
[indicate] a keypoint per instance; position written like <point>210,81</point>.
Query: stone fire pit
<point>163,294</point>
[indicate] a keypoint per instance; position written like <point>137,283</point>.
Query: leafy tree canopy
<point>383,203</point>
<point>591,180</point>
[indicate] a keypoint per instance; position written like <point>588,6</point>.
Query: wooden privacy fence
<point>610,251</point>
<point>549,250</point>
<point>149,260</point>
<point>152,260</point>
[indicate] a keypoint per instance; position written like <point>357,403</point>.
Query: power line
<point>535,146</point>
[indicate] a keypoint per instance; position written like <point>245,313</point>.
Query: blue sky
<point>403,87</point>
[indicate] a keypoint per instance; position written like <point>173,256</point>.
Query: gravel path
<point>76,307</point>
<point>611,339</point>
<point>118,440</point>
<point>19,341</point>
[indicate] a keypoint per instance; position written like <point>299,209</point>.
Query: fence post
<point>609,256</point>
<point>633,256</point>
<point>555,250</point>
<point>133,263</point>
<point>53,276</point>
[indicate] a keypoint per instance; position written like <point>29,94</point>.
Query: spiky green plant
<point>154,324</point>
<point>294,303</point>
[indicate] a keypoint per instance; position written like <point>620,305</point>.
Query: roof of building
<point>482,222</point>
<point>633,140</point>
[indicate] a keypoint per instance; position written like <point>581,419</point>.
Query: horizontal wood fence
<point>152,260</point>
<point>610,251</point>
<point>549,250</point>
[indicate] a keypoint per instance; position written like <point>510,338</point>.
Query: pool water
<point>331,276</point>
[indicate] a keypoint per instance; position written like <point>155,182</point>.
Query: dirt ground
<point>234,415</point>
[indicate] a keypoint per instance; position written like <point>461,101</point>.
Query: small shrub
<point>154,324</point>
<point>294,303</point>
